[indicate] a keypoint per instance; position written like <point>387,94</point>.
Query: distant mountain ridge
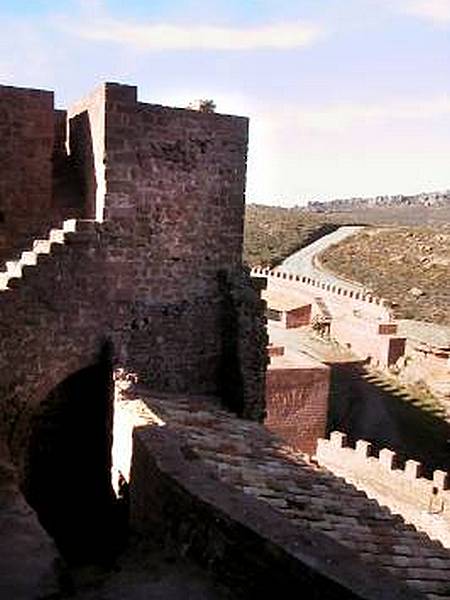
<point>431,199</point>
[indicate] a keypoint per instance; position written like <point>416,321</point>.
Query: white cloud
<point>305,152</point>
<point>150,37</point>
<point>434,10</point>
<point>340,117</point>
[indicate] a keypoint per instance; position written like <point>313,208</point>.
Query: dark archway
<point>67,477</point>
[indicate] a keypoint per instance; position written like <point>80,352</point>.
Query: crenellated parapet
<point>401,487</point>
<point>359,322</point>
<point>311,282</point>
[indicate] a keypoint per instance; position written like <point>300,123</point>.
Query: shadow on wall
<point>67,478</point>
<point>82,158</point>
<point>365,406</point>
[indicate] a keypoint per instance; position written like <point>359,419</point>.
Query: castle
<point>133,341</point>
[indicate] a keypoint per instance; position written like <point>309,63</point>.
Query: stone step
<point>4,278</point>
<point>42,246</point>
<point>28,258</point>
<point>69,225</point>
<point>56,236</point>
<point>13,268</point>
<point>13,273</point>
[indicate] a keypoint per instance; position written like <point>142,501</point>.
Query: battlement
<point>336,290</point>
<point>403,489</point>
<point>360,322</point>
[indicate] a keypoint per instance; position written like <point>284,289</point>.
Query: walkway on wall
<point>304,341</point>
<point>250,460</point>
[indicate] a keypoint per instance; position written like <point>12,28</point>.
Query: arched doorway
<point>67,477</point>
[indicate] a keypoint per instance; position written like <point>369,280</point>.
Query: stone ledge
<point>244,541</point>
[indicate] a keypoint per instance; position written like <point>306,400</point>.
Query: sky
<point>345,97</point>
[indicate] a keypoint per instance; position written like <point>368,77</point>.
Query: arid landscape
<point>409,266</point>
<point>403,255</point>
<point>272,233</point>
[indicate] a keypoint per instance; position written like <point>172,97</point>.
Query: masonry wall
<point>184,500</point>
<point>54,318</point>
<point>364,339</point>
<point>174,192</point>
<point>26,147</point>
<point>298,317</point>
<point>338,298</point>
<point>421,501</point>
<point>297,403</point>
<point>86,129</point>
<point>160,277</point>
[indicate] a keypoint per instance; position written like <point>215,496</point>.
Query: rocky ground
<point>410,266</point>
<point>272,233</point>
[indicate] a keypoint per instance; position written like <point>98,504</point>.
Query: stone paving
<point>246,456</point>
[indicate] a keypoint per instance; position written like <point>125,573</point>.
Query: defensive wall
<point>150,279</point>
<point>153,275</point>
<point>372,341</point>
<point>148,287</point>
<point>357,299</point>
<point>297,390</point>
<point>360,322</point>
<point>38,180</point>
<point>27,135</point>
<point>423,502</point>
<point>259,515</point>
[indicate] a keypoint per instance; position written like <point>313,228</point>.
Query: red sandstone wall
<point>178,176</point>
<point>298,317</point>
<point>69,193</point>
<point>147,278</point>
<point>175,195</point>
<point>26,147</point>
<point>297,405</point>
<point>363,339</point>
<point>54,321</point>
<point>87,148</point>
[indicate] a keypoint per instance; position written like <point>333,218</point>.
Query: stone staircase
<point>323,308</point>
<point>321,321</point>
<point>15,269</point>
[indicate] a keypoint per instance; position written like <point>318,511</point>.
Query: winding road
<point>304,262</point>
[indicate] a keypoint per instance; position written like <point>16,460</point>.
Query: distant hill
<point>431,199</point>
<point>410,266</point>
<point>404,254</point>
<point>273,233</point>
